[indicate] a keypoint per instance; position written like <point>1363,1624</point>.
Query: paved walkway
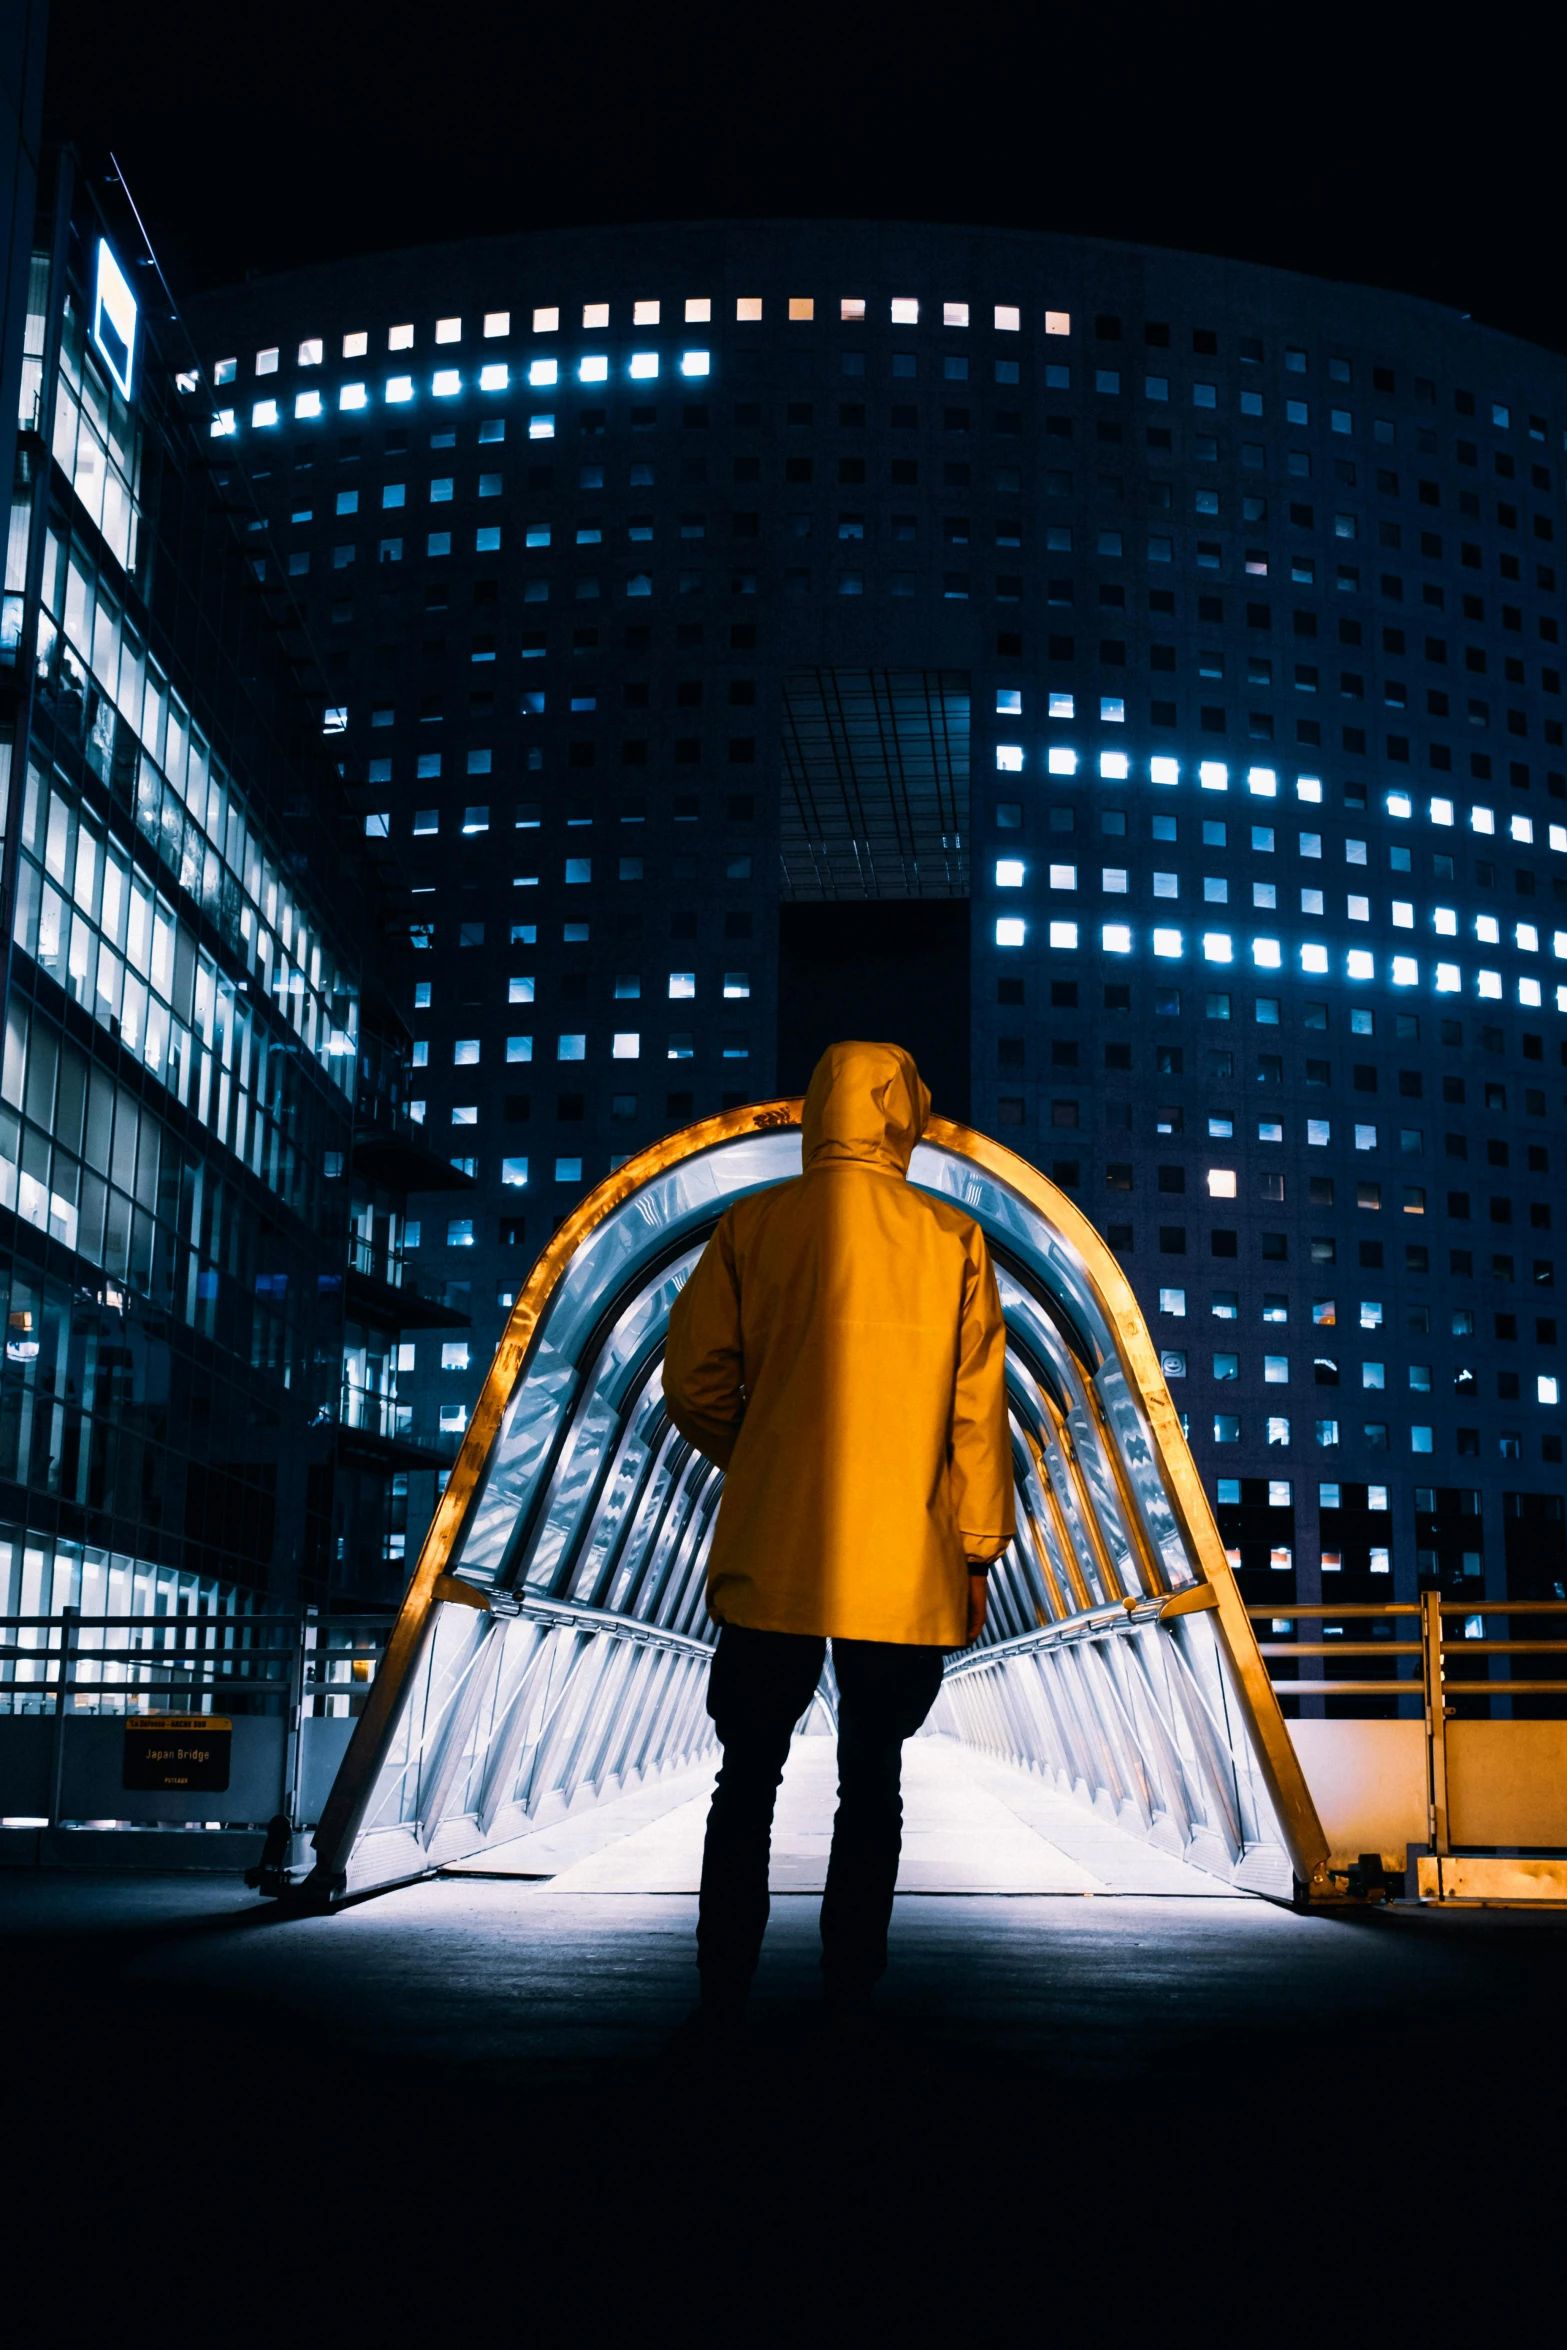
<point>970,1826</point>
<point>446,2114</point>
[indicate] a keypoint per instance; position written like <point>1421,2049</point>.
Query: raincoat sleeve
<point>703,1384</point>
<point>981,1464</point>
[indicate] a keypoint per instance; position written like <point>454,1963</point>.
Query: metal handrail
<point>193,1656</point>
<point>1435,1653</point>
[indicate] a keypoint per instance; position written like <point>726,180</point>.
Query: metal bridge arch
<point>553,1642</point>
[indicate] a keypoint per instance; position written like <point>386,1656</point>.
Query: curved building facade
<point>1133,678</point>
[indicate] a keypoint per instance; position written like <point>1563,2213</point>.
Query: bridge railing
<point>1465,1772</point>
<point>286,1690</point>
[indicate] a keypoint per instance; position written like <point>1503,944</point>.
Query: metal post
<point>70,1618</point>
<point>1436,1720</point>
<point>294,1743</point>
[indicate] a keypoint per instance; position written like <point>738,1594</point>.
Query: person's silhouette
<point>839,1351</point>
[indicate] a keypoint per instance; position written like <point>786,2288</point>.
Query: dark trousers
<point>760,1685</point>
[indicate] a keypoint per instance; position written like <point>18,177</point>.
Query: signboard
<point>173,1753</point>
<point>114,315</point>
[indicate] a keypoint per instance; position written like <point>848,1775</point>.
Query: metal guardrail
<point>1486,1878</point>
<point>1430,1651</point>
<point>198,1662</point>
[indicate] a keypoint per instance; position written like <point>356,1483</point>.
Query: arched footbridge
<point>552,1647</point>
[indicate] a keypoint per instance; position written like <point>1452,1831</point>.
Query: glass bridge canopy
<point>553,1642</point>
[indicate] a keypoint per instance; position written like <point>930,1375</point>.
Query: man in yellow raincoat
<point>839,1352</point>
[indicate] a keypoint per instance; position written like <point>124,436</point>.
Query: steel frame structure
<point>552,1644</point>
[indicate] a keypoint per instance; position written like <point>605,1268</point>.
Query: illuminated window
<point>593,370</point>
<point>695,363</point>
<point>1116,938</point>
<point>448,330</point>
<point>399,388</point>
<point>1164,770</point>
<point>595,314</point>
<point>494,377</point>
<point>264,412</point>
<point>905,310</point>
<point>353,396</point>
<point>1061,705</point>
<point>400,338</point>
<point>1063,934</point>
<point>546,322</point>
<point>355,346</point>
<point>644,365</point>
<point>802,306</point>
<point>1061,761</point>
<point>748,307</point>
<point>307,404</point>
<point>1009,873</point>
<point>447,382</point>
<point>699,309</point>
<point>1057,322</point>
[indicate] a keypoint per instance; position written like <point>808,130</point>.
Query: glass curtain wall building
<point>1132,678</point>
<point>203,1095</point>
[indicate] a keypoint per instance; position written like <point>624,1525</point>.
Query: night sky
<point>1373,145</point>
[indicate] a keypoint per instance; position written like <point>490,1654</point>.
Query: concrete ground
<point>1088,2108</point>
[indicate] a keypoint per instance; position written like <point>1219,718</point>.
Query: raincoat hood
<point>866,1103</point>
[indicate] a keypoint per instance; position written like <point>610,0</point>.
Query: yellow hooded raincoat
<point>839,1351</point>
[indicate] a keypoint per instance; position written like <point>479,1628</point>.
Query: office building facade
<point>203,1131</point>
<point>1133,678</point>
